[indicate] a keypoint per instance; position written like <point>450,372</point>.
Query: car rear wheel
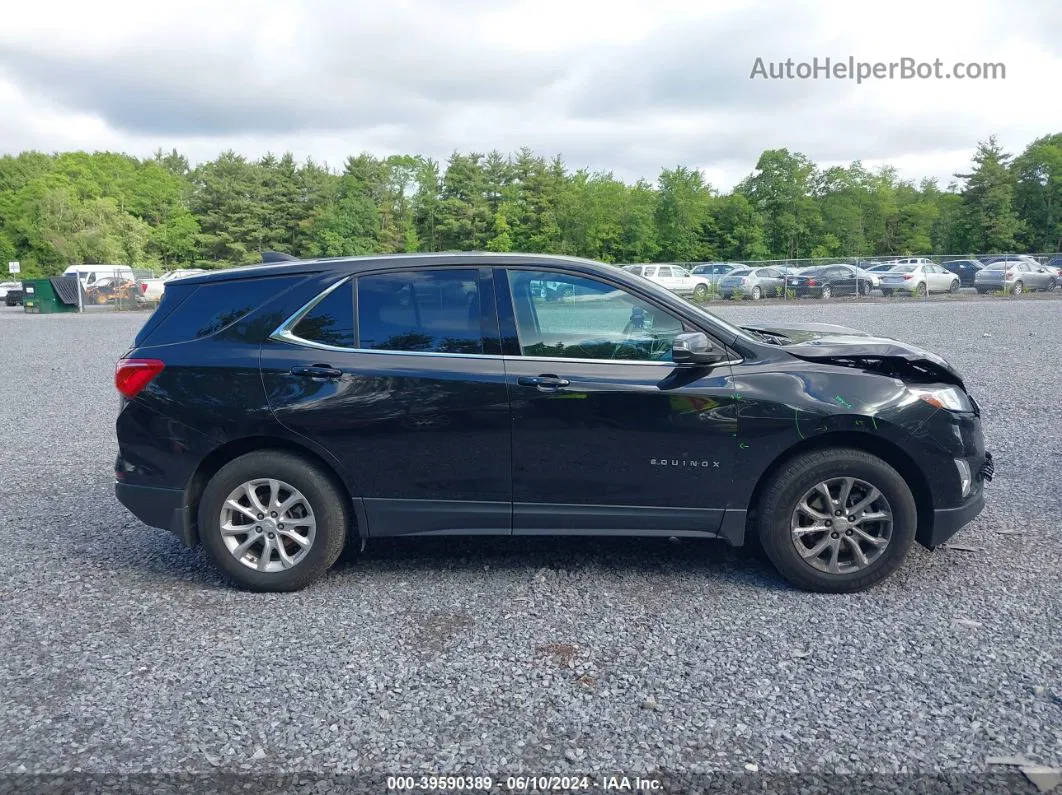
<point>1018,288</point>
<point>700,292</point>
<point>886,293</point>
<point>836,521</point>
<point>756,293</point>
<point>272,521</point>
<point>921,290</point>
<point>827,292</point>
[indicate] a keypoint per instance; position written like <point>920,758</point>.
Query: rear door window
<point>430,311</point>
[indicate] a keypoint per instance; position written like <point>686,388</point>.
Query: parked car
<point>1055,264</point>
<point>150,290</point>
<point>1015,277</point>
<point>90,274</point>
<point>965,269</point>
<point>874,279</point>
<point>275,414</point>
<point>826,281</point>
<point>1009,258</point>
<point>715,271</point>
<point>918,279</point>
<point>752,283</point>
<point>6,286</point>
<point>674,278</point>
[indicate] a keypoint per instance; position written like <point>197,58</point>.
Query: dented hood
<point>843,345</point>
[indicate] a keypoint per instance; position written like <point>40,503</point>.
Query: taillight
<point>132,375</point>
<point>744,280</point>
<point>812,282</point>
<point>143,287</point>
<point>907,277</point>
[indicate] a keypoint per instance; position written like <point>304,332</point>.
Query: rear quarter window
<point>194,311</point>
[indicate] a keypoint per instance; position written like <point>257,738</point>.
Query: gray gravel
<point>122,652</point>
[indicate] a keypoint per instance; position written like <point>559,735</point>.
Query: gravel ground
<point>121,652</point>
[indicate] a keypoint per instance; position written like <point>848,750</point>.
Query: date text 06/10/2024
<point>522,784</point>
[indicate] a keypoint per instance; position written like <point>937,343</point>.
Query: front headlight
<point>943,396</point>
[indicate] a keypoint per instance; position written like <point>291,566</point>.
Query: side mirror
<point>694,349</point>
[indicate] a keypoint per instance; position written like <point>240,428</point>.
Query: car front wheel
<point>272,521</point>
<point>700,292</point>
<point>836,521</point>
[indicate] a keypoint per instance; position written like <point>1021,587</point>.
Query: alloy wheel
<point>267,525</point>
<point>841,525</point>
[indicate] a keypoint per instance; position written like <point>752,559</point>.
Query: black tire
<point>827,291</point>
<point>800,474</point>
<point>329,509</point>
<point>757,293</point>
<point>864,288</point>
<point>1050,286</point>
<point>700,292</point>
<point>1018,288</point>
<point>954,287</point>
<point>886,293</point>
<point>980,291</point>
<point>921,290</point>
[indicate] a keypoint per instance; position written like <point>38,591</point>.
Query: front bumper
<point>163,508</point>
<point>949,521</point>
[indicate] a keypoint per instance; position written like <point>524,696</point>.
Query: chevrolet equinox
<point>277,412</point>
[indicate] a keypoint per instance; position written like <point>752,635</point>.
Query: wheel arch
<point>889,452</point>
<point>232,450</point>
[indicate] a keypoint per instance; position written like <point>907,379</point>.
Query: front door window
<point>588,319</point>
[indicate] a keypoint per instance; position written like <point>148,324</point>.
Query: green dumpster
<point>47,296</point>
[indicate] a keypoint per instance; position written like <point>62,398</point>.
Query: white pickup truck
<point>150,290</point>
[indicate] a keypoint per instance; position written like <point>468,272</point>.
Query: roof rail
<point>277,256</point>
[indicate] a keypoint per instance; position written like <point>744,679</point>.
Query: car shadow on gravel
<point>709,559</point>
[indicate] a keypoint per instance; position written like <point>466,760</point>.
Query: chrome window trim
<point>283,332</point>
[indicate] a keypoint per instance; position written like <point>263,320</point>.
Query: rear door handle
<point>545,383</point>
<point>318,372</point>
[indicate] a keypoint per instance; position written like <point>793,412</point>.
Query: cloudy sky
<point>628,86</point>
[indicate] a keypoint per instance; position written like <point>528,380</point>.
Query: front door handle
<point>318,372</point>
<point>545,383</point>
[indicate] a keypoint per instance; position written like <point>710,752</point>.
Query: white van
<point>90,274</point>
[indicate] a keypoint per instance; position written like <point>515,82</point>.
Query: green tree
<point>988,198</point>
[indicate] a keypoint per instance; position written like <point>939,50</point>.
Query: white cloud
<point>629,86</point>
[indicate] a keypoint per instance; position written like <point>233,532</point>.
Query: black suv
<point>278,412</point>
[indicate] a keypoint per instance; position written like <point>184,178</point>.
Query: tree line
<point>162,213</point>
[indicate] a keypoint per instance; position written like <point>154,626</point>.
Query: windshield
<point>712,269</point>
<point>740,272</point>
<point>813,272</point>
<point>904,268</point>
<point>998,266</point>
